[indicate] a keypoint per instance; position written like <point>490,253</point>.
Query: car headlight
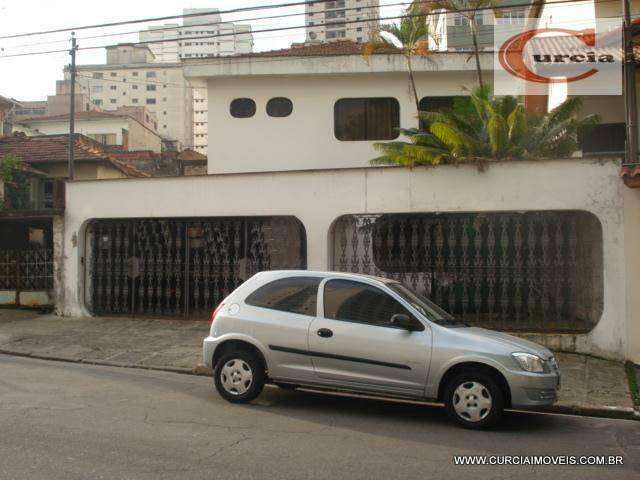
<point>529,362</point>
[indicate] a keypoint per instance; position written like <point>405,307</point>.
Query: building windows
<point>112,87</point>
<point>242,108</point>
<point>134,74</point>
<point>366,119</point>
<point>510,16</point>
<point>97,89</point>
<point>151,74</point>
<point>134,87</point>
<point>151,101</point>
<point>151,88</point>
<point>112,100</point>
<point>279,107</point>
<point>97,75</point>
<point>97,102</point>
<point>134,100</point>
<point>114,74</point>
<point>436,104</point>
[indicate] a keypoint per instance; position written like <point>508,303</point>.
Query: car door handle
<point>325,333</point>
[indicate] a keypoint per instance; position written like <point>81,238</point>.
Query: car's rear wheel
<point>474,400</point>
<point>239,376</point>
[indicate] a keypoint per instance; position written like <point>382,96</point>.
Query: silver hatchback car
<point>362,334</point>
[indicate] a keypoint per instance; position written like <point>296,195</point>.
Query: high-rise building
<point>329,21</point>
<point>202,34</point>
<point>199,36</point>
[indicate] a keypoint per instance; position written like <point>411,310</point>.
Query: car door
<point>352,341</point>
<point>280,313</point>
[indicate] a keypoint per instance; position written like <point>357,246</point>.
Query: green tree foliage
<point>411,36</point>
<point>481,127</point>
<point>16,184</point>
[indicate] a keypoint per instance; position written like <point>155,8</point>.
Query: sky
<point>33,77</point>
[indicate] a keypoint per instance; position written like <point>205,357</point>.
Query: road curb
<point>203,370</point>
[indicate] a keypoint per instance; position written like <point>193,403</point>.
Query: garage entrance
<point>183,267</point>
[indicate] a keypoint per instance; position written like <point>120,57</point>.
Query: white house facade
<point>545,249</point>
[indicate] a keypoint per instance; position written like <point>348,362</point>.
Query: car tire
<point>474,400</point>
<point>239,376</point>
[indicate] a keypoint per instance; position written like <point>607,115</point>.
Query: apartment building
<point>329,21</point>
<point>132,77</point>
<point>199,36</point>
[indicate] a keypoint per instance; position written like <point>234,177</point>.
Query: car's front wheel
<point>239,376</point>
<point>474,400</point>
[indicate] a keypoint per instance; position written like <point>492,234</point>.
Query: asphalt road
<point>72,421</point>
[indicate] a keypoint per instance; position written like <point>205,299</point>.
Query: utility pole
<point>72,105</point>
<point>630,100</point>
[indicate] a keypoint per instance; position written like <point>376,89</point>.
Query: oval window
<point>279,107</point>
<point>243,108</point>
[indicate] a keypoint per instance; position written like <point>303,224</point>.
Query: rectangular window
<point>134,74</point>
<point>151,88</point>
<point>112,100</point>
<point>134,100</point>
<point>112,87</point>
<point>151,74</point>
<point>602,139</point>
<point>114,74</point>
<point>134,87</point>
<point>97,75</point>
<point>97,102</point>
<point>366,119</point>
<point>151,101</point>
<point>97,89</point>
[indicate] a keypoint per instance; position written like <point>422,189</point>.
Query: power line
<point>241,20</point>
<point>297,27</point>
<point>169,17</point>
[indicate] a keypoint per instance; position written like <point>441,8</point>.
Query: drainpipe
<point>630,101</point>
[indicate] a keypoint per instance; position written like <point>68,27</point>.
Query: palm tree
<point>481,127</point>
<point>470,10</point>
<point>410,36</point>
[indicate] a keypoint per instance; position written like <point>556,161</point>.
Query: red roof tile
<point>46,149</point>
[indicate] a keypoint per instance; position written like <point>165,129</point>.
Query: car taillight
<point>215,312</point>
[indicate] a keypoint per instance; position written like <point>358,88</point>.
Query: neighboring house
<point>31,228</point>
<point>110,129</point>
<point>132,77</point>
<point>325,21</point>
<point>542,248</point>
<point>49,154</point>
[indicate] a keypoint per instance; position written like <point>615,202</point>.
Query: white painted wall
<point>306,139</point>
<point>317,198</point>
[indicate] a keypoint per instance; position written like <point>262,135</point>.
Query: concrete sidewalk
<point>590,385</point>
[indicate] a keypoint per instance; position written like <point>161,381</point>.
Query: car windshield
<point>425,306</point>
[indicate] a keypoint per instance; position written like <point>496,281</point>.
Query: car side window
<point>293,294</point>
<point>358,302</point>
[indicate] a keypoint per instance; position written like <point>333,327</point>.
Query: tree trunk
<point>476,51</point>
<point>412,82</point>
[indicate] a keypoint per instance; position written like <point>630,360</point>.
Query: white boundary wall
<point>318,197</point>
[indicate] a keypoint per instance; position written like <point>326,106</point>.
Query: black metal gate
<point>183,267</point>
<point>516,271</point>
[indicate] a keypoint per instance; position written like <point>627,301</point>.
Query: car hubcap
<point>472,401</point>
<point>236,376</point>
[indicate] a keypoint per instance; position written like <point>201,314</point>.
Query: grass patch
<point>633,383</point>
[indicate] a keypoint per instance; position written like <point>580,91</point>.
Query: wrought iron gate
<point>26,270</point>
<point>183,267</point>
<point>533,271</point>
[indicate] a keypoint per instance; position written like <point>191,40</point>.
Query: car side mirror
<point>402,320</point>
